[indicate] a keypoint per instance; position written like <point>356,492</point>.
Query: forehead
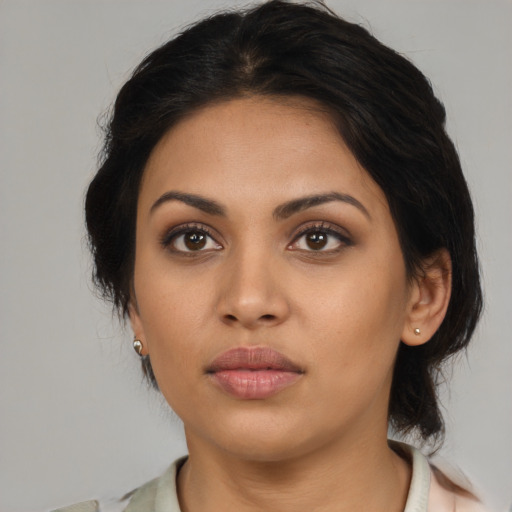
<point>254,147</point>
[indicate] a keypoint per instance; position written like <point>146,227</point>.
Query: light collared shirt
<point>426,494</point>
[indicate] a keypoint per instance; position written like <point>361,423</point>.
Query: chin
<point>267,437</point>
<point>266,451</point>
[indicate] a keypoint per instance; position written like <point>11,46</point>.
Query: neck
<point>352,474</point>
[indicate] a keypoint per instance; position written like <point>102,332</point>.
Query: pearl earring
<point>137,346</point>
<point>417,331</point>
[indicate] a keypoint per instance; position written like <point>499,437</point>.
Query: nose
<point>252,292</point>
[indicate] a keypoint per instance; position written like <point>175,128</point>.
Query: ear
<point>429,298</point>
<point>136,323</point>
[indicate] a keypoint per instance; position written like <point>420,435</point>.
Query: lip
<point>253,373</point>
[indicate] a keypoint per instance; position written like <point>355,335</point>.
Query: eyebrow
<point>201,203</point>
<point>297,205</point>
<point>281,212</point>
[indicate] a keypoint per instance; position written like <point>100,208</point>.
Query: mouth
<point>253,373</point>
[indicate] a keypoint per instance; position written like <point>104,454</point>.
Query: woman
<point>284,221</point>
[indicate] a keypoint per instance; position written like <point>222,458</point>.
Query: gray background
<point>76,419</point>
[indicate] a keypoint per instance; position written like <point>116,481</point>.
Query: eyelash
<point>330,231</point>
<point>171,236</point>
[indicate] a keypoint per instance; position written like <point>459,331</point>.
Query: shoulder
<point>447,491</point>
<point>95,506</point>
<point>156,495</point>
<point>448,494</point>
<point>85,506</point>
<point>431,490</point>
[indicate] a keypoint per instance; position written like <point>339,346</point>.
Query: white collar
<point>417,498</point>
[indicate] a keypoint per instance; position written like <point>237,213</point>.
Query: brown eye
<point>320,239</point>
<point>188,240</point>
<point>194,240</point>
<point>316,240</point>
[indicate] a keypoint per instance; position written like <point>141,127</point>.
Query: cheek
<point>173,316</point>
<point>356,322</point>
<point>363,298</point>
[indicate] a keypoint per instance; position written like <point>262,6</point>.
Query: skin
<point>338,311</point>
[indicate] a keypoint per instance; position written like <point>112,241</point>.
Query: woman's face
<point>270,288</point>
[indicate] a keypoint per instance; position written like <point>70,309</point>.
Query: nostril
<point>234,318</point>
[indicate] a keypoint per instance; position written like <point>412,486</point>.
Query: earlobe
<point>429,299</point>
<point>138,331</point>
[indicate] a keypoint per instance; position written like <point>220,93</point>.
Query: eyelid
<point>331,229</point>
<point>170,234</point>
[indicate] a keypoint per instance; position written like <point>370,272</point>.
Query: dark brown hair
<point>385,111</point>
